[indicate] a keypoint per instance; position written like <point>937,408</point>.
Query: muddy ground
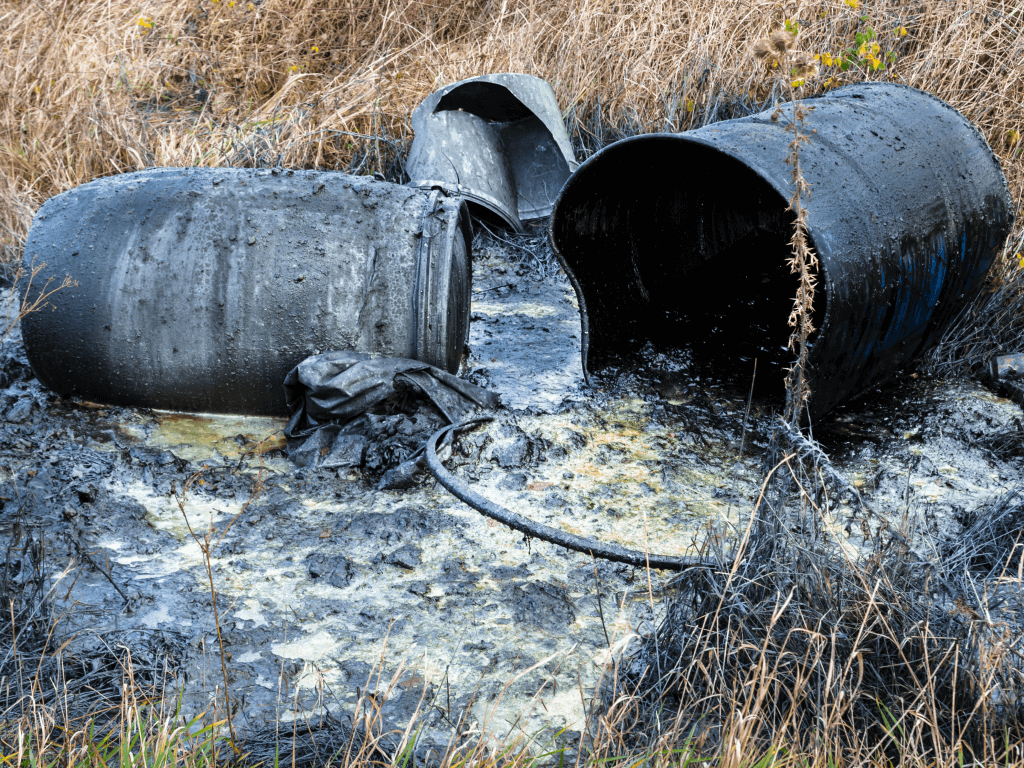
<point>329,588</point>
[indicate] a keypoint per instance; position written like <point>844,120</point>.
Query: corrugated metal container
<point>682,239</point>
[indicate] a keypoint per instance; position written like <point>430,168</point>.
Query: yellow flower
<point>901,31</point>
<point>797,83</point>
<point>1020,260</point>
<point>314,49</point>
<point>690,104</point>
<point>851,3</point>
<point>145,22</point>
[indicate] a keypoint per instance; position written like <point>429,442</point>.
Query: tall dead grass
<point>96,87</point>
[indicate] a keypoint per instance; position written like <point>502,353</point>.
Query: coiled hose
<point>613,552</point>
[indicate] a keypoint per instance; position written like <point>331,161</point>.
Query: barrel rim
<point>492,204</point>
<point>454,213</point>
<point>577,177</point>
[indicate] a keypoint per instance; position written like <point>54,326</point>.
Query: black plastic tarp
<point>351,410</point>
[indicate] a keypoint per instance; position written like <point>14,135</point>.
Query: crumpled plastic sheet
<point>351,410</point>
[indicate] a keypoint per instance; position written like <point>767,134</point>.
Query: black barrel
<point>198,289</point>
<point>682,239</point>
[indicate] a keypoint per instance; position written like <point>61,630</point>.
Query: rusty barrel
<point>681,240</point>
<point>198,289</point>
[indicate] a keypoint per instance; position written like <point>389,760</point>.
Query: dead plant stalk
<point>207,544</point>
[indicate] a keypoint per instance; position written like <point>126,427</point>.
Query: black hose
<point>613,552</point>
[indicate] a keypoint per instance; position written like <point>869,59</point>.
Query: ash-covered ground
<point>329,589</point>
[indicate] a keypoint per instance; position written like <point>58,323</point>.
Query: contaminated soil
<point>330,591</point>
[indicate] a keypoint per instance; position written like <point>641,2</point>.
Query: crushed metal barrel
<point>1007,371</point>
<point>682,239</point>
<point>498,140</point>
<point>1009,366</point>
<point>199,289</point>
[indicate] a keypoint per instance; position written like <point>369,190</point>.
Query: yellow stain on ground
<point>197,436</point>
<point>650,517</point>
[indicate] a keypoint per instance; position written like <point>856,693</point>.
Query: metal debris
<point>1008,366</point>
<point>1008,374</point>
<point>499,141</point>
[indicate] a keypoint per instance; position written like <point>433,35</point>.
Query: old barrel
<point>682,239</point>
<point>497,139</point>
<point>198,289</point>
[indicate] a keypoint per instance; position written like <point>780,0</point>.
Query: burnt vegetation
<point>795,642</point>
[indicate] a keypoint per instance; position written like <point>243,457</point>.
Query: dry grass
<point>88,88</point>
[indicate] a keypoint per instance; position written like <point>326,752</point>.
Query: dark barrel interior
<point>491,101</point>
<point>492,220</point>
<point>677,244</point>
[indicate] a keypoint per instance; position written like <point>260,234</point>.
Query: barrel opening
<point>535,169</point>
<point>489,214</point>
<point>459,290</point>
<point>676,244</point>
<point>490,101</point>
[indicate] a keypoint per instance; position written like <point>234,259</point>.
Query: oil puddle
<point>524,339</point>
<point>635,479</point>
<point>325,581</point>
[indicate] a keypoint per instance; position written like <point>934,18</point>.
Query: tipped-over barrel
<point>199,289</point>
<point>682,239</point>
